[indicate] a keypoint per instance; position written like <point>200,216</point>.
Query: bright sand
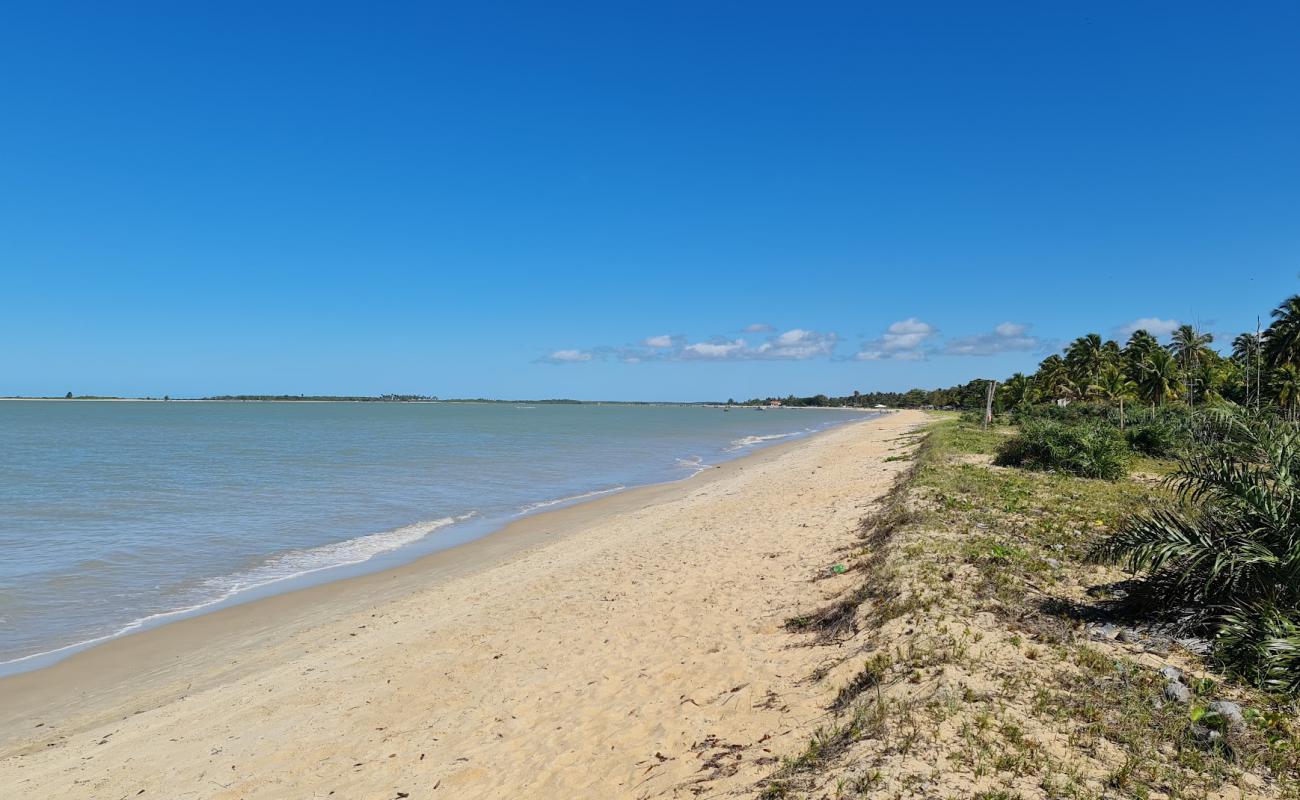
<point>627,647</point>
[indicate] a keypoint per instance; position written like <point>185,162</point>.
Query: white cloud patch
<point>1152,325</point>
<point>908,334</point>
<point>759,327</point>
<point>569,356</point>
<point>1005,338</point>
<point>714,349</point>
<point>902,340</point>
<point>797,345</point>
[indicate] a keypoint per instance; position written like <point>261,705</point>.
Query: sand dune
<point>629,647</point>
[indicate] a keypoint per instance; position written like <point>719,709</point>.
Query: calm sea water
<point>119,516</point>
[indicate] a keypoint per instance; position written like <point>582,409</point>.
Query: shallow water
<point>116,516</point>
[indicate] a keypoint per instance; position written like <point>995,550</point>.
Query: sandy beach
<point>627,647</point>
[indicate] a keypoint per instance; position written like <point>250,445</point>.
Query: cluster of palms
<point>1263,369</point>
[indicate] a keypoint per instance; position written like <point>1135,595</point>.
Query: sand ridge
<point>640,655</point>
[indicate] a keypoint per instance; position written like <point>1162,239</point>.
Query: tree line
<point>1261,369</point>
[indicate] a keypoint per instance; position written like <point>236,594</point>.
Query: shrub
<point>1087,449</point>
<point>1227,556</point>
<point>1160,438</point>
<point>1262,644</point>
<point>1077,412</point>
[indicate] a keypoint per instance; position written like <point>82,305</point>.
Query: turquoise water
<point>120,516</point>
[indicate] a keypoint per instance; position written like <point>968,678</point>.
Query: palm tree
<point>1286,388</point>
<point>1282,339</point>
<point>1017,391</point>
<point>1084,358</point>
<point>1226,554</point>
<point>1159,379</point>
<point>1139,346</point>
<point>1113,386</point>
<point>1245,348</point>
<point>1248,351</point>
<point>1190,347</point>
<point>1052,374</point>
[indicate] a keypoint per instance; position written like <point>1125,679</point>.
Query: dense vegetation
<point>1220,557</point>
<point>968,395</point>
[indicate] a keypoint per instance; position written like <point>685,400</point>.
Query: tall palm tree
<point>1139,346</point>
<point>1282,339</point>
<point>1248,351</point>
<point>1052,374</point>
<point>1111,353</point>
<point>1017,391</point>
<point>1245,347</point>
<point>1113,386</point>
<point>1159,381</point>
<point>1190,347</point>
<point>1286,388</point>
<point>1084,358</point>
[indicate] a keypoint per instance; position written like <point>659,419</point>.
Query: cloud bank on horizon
<point>910,339</point>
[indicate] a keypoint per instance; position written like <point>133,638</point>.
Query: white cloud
<point>1152,325</point>
<point>714,349</point>
<point>759,327</point>
<point>569,356</point>
<point>902,340</point>
<point>907,334</point>
<point>798,344</point>
<point>1007,337</point>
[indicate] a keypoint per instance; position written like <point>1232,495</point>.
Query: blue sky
<point>628,200</point>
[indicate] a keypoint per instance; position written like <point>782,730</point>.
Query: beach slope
<point>628,647</point>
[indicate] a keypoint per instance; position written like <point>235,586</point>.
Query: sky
<point>616,200</point>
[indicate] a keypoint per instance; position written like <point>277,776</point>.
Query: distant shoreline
<point>361,400</point>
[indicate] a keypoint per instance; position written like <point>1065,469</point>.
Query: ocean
<point>118,516</point>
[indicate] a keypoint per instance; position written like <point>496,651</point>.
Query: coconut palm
<point>1139,346</point>
<point>1190,347</point>
<point>1084,358</point>
<point>1282,339</point>
<point>1158,381</point>
<point>1113,386</point>
<point>1246,348</point>
<point>1018,391</point>
<point>1286,389</point>
<point>1052,375</point>
<point>1248,351</point>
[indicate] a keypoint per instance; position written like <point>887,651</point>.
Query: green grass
<point>1026,535</point>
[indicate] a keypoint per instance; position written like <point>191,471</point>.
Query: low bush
<point>1226,557</point>
<point>1087,449</point>
<point>1159,438</point>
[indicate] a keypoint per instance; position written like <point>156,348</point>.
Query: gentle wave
<point>531,507</point>
<point>750,441</point>
<point>285,566</point>
<point>694,463</point>
<point>296,563</point>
